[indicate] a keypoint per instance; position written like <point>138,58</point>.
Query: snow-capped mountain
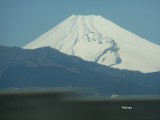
<point>94,38</point>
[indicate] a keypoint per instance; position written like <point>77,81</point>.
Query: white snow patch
<point>94,38</point>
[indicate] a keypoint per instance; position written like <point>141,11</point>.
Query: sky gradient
<point>22,21</point>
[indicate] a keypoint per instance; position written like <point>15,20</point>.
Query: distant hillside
<point>47,67</point>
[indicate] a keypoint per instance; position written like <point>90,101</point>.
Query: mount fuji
<point>94,38</point>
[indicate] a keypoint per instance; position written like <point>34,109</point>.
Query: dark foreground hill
<point>47,67</point>
<point>63,105</point>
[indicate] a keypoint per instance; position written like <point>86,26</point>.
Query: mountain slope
<point>94,38</point>
<point>47,67</point>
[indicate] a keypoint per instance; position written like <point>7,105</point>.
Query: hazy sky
<point>22,21</point>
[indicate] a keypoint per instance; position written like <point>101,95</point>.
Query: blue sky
<point>22,21</point>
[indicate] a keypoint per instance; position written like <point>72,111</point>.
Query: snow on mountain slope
<point>94,38</point>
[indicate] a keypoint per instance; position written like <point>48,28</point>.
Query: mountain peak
<point>94,38</point>
<point>85,15</point>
